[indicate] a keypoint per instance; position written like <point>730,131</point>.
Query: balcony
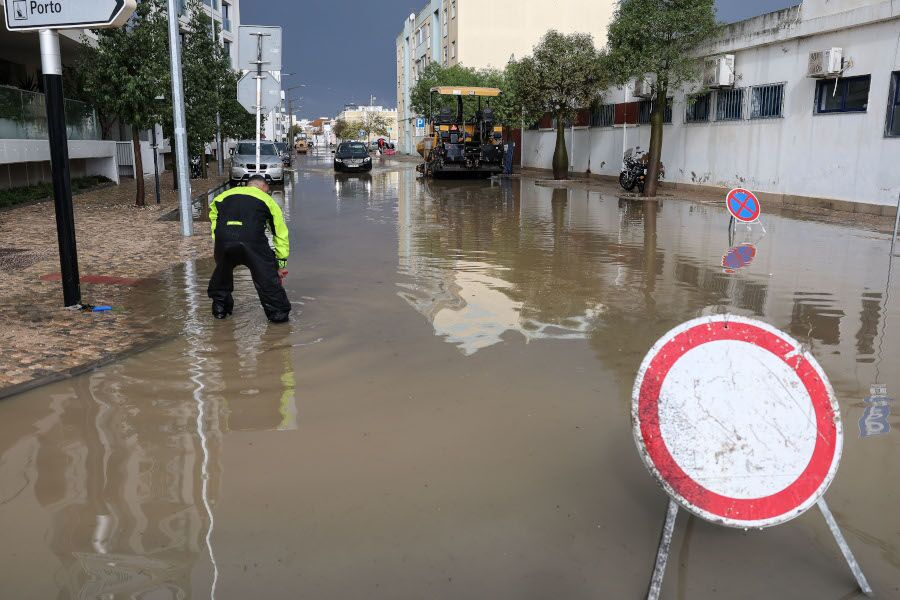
<point>23,116</point>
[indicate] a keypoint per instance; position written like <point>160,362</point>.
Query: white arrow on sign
<point>31,15</point>
<point>246,92</point>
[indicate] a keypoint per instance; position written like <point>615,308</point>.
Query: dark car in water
<point>352,156</point>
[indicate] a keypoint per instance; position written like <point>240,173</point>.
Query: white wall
<point>840,156</point>
<point>97,158</point>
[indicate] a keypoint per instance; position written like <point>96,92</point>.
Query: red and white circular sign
<point>736,421</point>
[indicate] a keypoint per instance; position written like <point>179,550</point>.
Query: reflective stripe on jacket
<point>243,213</point>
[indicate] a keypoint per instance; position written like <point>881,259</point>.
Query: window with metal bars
<point>697,110</point>
<point>730,105</point>
<point>603,115</point>
<point>645,111</point>
<point>767,101</point>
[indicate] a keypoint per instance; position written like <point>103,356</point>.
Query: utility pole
<point>184,183</point>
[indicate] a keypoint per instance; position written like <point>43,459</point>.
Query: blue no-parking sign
<point>743,205</point>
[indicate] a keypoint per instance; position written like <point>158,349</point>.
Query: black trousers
<point>259,258</point>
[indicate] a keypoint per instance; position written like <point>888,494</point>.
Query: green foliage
<point>659,38</point>
<point>129,67</point>
<point>374,124</point>
<point>566,73</point>
<point>44,191</point>
<point>347,130</point>
<point>507,107</point>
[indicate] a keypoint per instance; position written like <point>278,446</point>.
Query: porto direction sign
<point>32,15</point>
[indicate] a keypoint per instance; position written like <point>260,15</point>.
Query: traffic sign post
<point>260,46</point>
<point>47,18</point>
<point>739,425</point>
<point>270,92</point>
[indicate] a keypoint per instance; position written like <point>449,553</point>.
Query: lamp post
<point>159,99</point>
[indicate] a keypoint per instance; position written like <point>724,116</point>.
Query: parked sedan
<point>243,162</point>
<point>352,156</point>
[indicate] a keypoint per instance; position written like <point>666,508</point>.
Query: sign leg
<point>662,554</point>
<point>845,549</point>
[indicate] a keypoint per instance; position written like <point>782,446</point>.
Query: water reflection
<point>479,260</point>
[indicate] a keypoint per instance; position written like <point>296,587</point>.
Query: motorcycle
<point>196,170</point>
<point>635,172</point>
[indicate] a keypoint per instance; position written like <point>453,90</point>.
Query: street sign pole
<point>259,78</point>
<point>184,182</point>
<point>51,65</point>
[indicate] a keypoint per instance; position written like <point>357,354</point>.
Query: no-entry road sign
<point>743,205</point>
<point>736,421</point>
<point>30,15</point>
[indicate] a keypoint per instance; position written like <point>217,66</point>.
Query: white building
<point>24,152</point>
<point>776,129</point>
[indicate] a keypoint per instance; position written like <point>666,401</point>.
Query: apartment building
<point>24,152</point>
<point>483,35</point>
<point>801,104</point>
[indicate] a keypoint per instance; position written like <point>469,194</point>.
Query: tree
<point>565,73</point>
<point>347,130</point>
<point>127,70</point>
<point>657,40</point>
<point>374,123</point>
<point>207,75</point>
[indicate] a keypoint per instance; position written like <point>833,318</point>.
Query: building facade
<point>812,111</point>
<point>353,112</point>
<point>482,35</point>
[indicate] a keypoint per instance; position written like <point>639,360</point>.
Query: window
<point>446,28</point>
<point>603,115</point>
<point>843,95</point>
<point>645,110</point>
<point>452,49</point>
<point>767,101</point>
<point>893,113</point>
<point>730,105</point>
<point>452,9</point>
<point>446,61</point>
<point>697,110</point>
<point>228,52</point>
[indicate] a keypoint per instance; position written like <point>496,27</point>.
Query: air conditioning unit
<point>643,88</point>
<point>719,71</point>
<point>826,63</point>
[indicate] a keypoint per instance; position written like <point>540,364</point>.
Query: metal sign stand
<point>51,65</point>
<point>668,530</point>
<point>259,77</point>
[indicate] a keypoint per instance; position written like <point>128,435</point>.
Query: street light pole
<point>184,183</point>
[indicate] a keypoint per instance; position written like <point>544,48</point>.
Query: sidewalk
<point>118,242</point>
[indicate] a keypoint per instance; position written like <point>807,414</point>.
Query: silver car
<point>243,162</point>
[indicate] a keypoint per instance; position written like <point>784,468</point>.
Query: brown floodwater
<point>447,415</point>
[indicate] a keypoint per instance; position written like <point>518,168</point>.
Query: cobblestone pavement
<point>38,336</point>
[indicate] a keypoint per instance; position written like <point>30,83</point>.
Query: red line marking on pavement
<point>101,279</point>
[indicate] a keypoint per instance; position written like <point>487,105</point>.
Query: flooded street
<point>447,415</point>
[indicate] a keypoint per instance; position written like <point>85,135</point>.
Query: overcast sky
<point>344,51</point>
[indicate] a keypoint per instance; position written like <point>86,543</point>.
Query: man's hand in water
<point>282,273</point>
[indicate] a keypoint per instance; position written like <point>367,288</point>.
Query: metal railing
<point>767,101</point>
<point>603,116</point>
<point>23,116</point>
<point>697,109</point>
<point>730,105</point>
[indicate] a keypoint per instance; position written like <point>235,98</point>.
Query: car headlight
<point>238,165</point>
<point>367,159</point>
<point>339,160</point>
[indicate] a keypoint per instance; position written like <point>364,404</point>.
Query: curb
<point>75,371</point>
